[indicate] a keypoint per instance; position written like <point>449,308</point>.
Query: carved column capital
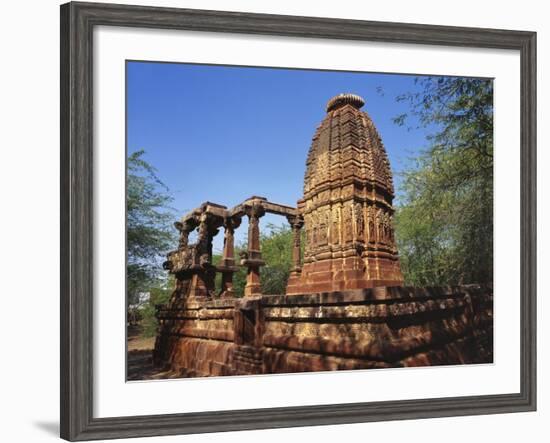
<point>187,224</point>
<point>254,210</point>
<point>232,222</point>
<point>295,221</point>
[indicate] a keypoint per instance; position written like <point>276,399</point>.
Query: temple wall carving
<point>369,328</point>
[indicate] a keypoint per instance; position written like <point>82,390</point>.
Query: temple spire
<point>345,99</point>
<point>347,205</point>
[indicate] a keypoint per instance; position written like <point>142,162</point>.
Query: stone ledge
<point>377,294</point>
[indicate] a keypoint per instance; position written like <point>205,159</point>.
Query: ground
<point>140,357</point>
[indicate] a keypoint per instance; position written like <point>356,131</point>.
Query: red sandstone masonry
<point>367,328</point>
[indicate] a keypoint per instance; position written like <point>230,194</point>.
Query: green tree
<point>444,219</point>
<point>158,295</point>
<point>239,278</point>
<point>149,231</point>
<point>276,247</point>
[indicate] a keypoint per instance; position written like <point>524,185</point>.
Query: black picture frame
<point>77,23</point>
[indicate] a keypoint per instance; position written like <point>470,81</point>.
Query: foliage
<point>276,247</point>
<point>239,277</point>
<point>149,232</point>
<point>158,295</point>
<point>444,219</point>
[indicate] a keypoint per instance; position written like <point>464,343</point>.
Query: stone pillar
<point>293,284</point>
<point>212,232</point>
<point>184,231</point>
<point>253,258</point>
<point>296,223</point>
<point>227,266</point>
<point>202,282</point>
<point>203,240</point>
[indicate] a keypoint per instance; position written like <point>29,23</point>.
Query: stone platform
<point>370,328</point>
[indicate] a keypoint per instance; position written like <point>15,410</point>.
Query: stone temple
<point>345,305</point>
<point>347,206</point>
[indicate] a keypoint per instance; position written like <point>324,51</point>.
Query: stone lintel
<point>209,204</point>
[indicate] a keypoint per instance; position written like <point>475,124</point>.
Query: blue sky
<point>222,134</point>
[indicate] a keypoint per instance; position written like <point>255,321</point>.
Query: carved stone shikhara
<point>344,307</point>
<point>348,186</point>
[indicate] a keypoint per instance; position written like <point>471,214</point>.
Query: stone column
<point>294,279</point>
<point>212,232</point>
<point>184,235</point>
<point>202,280</point>
<point>296,223</point>
<point>203,240</point>
<point>253,259</point>
<point>227,266</point>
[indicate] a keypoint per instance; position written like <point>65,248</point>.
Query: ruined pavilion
<point>345,306</point>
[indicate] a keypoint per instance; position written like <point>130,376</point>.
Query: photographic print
<point>260,213</point>
<point>289,220</point>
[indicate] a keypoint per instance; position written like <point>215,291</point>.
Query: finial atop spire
<point>345,99</point>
